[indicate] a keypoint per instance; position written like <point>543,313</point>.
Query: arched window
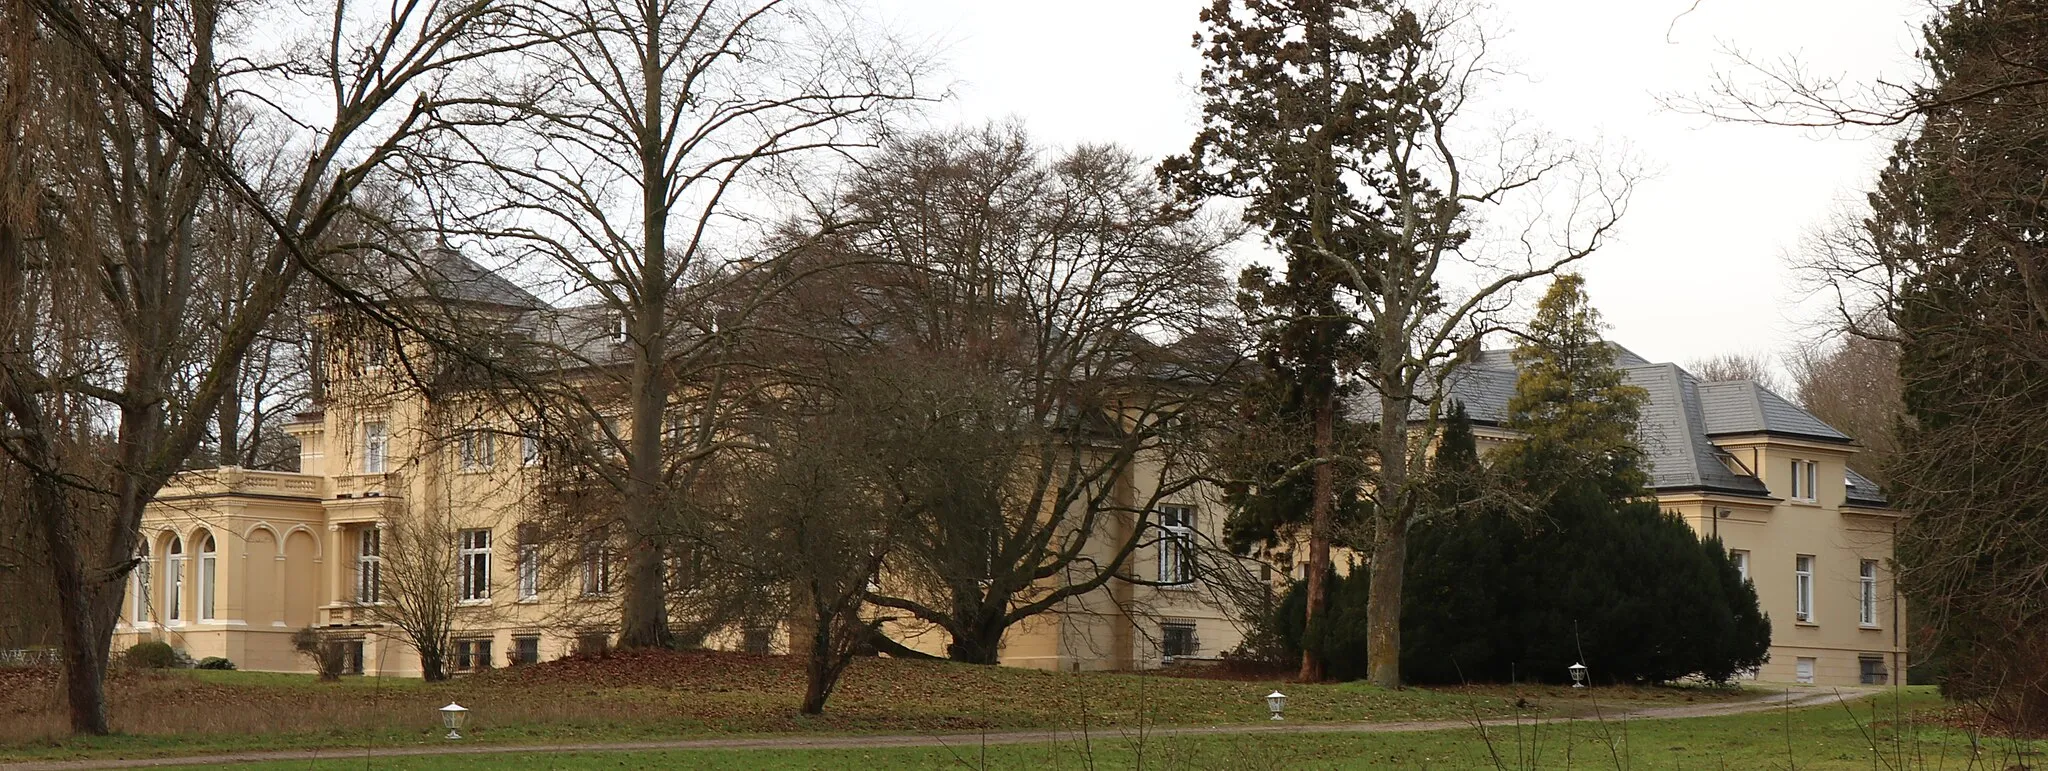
<point>142,585</point>
<point>174,583</point>
<point>207,578</point>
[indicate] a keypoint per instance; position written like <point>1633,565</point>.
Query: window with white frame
<point>1802,670</point>
<point>1741,562</point>
<point>141,581</point>
<point>476,448</point>
<point>375,442</point>
<point>174,581</point>
<point>596,565</point>
<point>529,450</point>
<point>1802,586</point>
<point>1805,480</point>
<point>1176,544</point>
<point>1867,594</point>
<point>209,577</point>
<point>529,571</point>
<point>473,559</point>
<point>369,565</point>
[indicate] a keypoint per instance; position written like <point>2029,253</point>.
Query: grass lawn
<point>1816,738</point>
<point>653,696</point>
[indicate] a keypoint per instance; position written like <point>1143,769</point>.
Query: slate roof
<point>1678,424</point>
<point>440,274</point>
<point>1743,407</point>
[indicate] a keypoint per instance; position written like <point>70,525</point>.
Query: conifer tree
<point>1575,410</point>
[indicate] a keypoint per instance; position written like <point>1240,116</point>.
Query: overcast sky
<point>1702,265</point>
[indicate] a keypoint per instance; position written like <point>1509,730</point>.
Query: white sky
<point>1702,263</point>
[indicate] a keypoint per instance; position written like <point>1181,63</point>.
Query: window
<point>526,650</point>
<point>596,564</point>
<point>1871,670</point>
<point>1805,478</point>
<point>529,571</point>
<point>174,591</point>
<point>1177,639</point>
<point>472,655</point>
<point>1177,545</point>
<point>473,558</point>
<point>1867,594</point>
<point>209,576</point>
<point>376,353</point>
<point>1802,573</point>
<point>352,657</point>
<point>374,445</point>
<point>1741,563</point>
<point>758,640</point>
<point>369,564</point>
<point>593,643</point>
<point>529,450</point>
<point>477,446</point>
<point>142,585</point>
<point>1803,671</point>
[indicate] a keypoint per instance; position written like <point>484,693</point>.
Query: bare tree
<point>135,125</point>
<point>1854,386</point>
<point>1753,367</point>
<point>1049,307</point>
<point>625,164</point>
<point>1348,127</point>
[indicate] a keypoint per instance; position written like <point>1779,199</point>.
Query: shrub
<point>1632,592</point>
<point>215,662</point>
<point>327,654</point>
<point>154,654</point>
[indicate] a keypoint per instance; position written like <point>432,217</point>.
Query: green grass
<point>1864,736</point>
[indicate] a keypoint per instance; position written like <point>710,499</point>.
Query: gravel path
<point>1776,701</point>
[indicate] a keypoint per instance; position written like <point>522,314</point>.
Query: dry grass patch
<point>663,695</point>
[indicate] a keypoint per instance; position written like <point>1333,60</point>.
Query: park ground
<point>908,714</point>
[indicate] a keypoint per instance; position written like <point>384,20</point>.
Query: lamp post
<point>1276,703</point>
<point>1578,675</point>
<point>453,717</point>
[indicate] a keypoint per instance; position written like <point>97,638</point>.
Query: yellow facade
<point>289,554</point>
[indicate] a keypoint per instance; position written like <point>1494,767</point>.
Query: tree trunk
<point>433,664</point>
<point>86,640</point>
<point>643,621</point>
<point>1389,550</point>
<point>979,641</point>
<point>1319,535</point>
<point>824,663</point>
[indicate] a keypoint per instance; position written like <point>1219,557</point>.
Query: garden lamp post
<point>454,716</point>
<point>1578,675</point>
<point>1276,703</point>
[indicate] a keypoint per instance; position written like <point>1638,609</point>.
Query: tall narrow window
<point>477,450</point>
<point>529,571</point>
<point>174,581</point>
<point>208,578</point>
<point>142,585</point>
<point>597,565</point>
<point>529,450</point>
<point>1176,544</point>
<point>1867,596</point>
<point>374,445</point>
<point>473,558</point>
<point>1741,563</point>
<point>369,565</point>
<point>1805,476</point>
<point>1802,580</point>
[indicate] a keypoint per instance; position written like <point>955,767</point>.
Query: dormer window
<point>1805,480</point>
